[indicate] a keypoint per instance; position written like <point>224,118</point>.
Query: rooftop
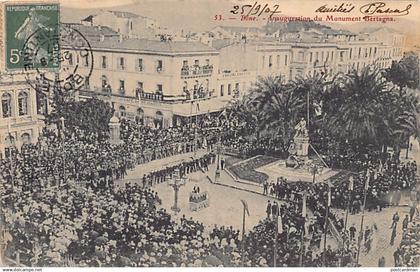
<point>93,30</point>
<point>153,46</point>
<point>241,29</point>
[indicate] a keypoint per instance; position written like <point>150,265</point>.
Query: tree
<point>360,107</point>
<point>279,106</point>
<point>404,73</point>
<point>92,115</point>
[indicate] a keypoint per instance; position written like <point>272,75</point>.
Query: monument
<point>301,139</point>
<point>298,166</point>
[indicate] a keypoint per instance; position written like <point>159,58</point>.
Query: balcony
<point>196,71</point>
<point>151,96</point>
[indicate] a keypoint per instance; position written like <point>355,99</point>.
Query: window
<point>23,103</point>
<point>332,56</point>
<point>270,61</point>
<point>196,62</point>
<point>122,111</point>
<point>237,87</point>
<point>285,60</point>
<point>70,58</point>
<point>229,89</point>
<point>341,56</point>
<point>351,51</point>
<point>122,86</point>
<point>278,60</point>
<point>207,62</point>
<point>322,56</point>
<point>185,63</point>
<point>185,87</point>
<point>263,62</point>
<point>41,103</point>
<point>6,104</point>
<point>104,62</point>
<point>25,138</point>
<point>310,57</point>
<point>140,65</point>
<point>121,64</point>
<point>159,88</point>
<point>139,89</point>
<point>222,90</point>
<point>159,66</point>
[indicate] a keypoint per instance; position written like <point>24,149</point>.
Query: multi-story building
<point>21,112</point>
<point>126,23</point>
<point>242,62</point>
<point>165,83</point>
<point>155,82</point>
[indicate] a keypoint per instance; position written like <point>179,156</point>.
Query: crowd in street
<point>102,225</point>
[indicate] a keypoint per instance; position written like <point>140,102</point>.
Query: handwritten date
<point>256,9</point>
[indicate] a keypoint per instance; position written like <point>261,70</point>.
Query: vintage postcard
<point>209,133</point>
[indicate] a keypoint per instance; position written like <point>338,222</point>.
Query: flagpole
<point>349,200</point>
<point>275,240</point>
<point>326,227</point>
<point>363,217</point>
<point>243,239</point>
<point>303,231</point>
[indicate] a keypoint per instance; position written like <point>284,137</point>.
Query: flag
<point>304,206</point>
<point>280,224</point>
<point>245,206</point>
<point>367,179</point>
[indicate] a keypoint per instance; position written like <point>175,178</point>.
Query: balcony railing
<point>192,71</point>
<point>151,96</point>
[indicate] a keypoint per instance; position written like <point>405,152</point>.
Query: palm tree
<point>361,107</point>
<point>279,106</point>
<point>407,121</point>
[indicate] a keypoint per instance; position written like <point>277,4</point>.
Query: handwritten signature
<point>382,9</point>
<point>343,8</point>
<point>256,9</point>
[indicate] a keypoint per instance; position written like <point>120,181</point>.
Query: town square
<point>128,142</point>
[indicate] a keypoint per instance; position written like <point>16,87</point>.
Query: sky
<point>198,15</point>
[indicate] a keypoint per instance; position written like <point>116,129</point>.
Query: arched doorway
<point>140,116</point>
<point>159,120</point>
<point>9,145</point>
<point>25,138</point>
<point>123,112</point>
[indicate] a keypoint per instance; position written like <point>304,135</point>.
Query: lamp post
<point>63,150</point>
<point>324,259</point>
<point>176,182</point>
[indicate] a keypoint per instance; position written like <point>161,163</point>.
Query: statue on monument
<point>301,129</point>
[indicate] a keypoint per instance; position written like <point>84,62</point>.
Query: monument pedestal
<point>302,146</point>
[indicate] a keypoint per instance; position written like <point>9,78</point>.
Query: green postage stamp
<point>32,36</point>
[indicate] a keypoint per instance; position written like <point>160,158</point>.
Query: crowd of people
<point>102,225</point>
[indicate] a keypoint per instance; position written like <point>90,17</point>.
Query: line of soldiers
<point>191,166</point>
